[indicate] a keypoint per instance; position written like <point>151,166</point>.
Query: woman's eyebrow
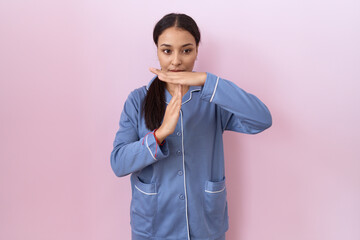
<point>168,45</point>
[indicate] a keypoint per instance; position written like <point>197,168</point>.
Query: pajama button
<point>178,133</point>
<point>180,173</point>
<point>181,197</point>
<point>178,152</point>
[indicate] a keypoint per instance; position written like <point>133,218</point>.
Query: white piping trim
<point>217,81</point>
<point>215,191</point>
<point>147,145</point>
<point>190,96</point>
<point>182,145</point>
<point>145,192</point>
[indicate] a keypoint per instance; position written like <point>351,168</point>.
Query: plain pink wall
<point>66,68</point>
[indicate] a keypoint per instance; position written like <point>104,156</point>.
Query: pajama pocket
<point>215,205</point>
<point>143,206</point>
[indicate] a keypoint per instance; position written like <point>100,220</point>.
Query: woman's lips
<point>177,70</point>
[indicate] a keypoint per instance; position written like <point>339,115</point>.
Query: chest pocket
<point>143,206</point>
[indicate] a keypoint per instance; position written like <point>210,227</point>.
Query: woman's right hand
<point>171,116</point>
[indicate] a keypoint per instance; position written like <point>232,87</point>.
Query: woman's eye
<point>187,50</point>
<point>167,51</point>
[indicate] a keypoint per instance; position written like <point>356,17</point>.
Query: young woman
<point>170,140</point>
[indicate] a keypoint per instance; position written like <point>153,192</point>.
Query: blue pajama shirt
<point>178,189</point>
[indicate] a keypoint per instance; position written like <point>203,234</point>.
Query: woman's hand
<point>171,116</point>
<point>182,78</point>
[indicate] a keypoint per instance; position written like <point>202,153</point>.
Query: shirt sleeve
<point>240,111</point>
<point>130,152</point>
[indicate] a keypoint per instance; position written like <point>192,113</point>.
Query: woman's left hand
<point>182,78</point>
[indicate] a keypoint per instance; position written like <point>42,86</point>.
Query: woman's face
<point>176,50</point>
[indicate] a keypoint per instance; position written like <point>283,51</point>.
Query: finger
<point>176,77</point>
<point>170,77</point>
<point>176,89</point>
<point>155,71</point>
<point>180,90</point>
<point>174,100</point>
<point>179,95</point>
<point>163,77</point>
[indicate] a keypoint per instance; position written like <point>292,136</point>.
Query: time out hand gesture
<point>172,111</point>
<point>171,116</point>
<point>182,78</point>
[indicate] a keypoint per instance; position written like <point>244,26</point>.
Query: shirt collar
<point>186,98</point>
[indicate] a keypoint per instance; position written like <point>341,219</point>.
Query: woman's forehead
<point>175,37</point>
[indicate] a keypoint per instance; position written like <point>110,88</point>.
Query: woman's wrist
<point>160,135</point>
<point>202,78</point>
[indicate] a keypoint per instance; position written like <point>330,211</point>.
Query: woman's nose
<point>176,60</point>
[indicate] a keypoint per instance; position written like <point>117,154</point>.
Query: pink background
<point>66,68</point>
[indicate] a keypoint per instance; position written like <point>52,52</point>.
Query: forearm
<point>249,111</point>
<point>131,157</point>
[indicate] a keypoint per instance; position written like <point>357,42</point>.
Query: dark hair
<point>154,104</point>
